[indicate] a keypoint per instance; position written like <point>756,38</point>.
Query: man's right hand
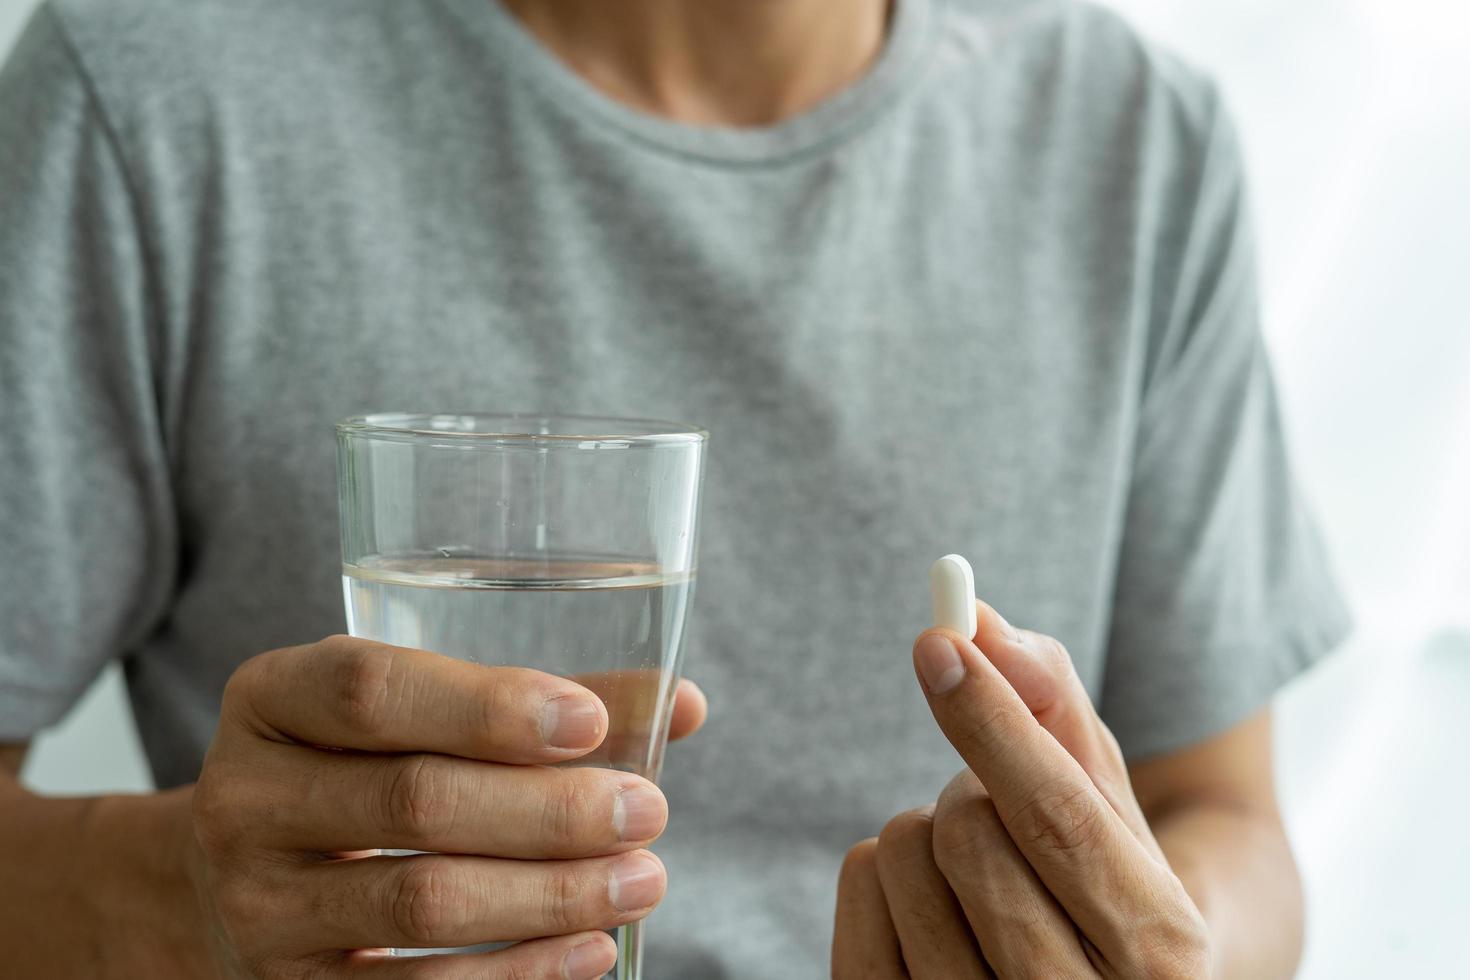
<point>326,751</point>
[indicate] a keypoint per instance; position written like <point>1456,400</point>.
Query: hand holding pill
<point>1037,858</point>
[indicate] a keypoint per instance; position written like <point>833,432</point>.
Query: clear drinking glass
<point>562,543</point>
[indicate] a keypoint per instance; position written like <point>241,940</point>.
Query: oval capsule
<point>952,583</point>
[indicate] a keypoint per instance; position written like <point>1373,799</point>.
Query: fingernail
<point>639,812</point>
<point>939,662</point>
<point>637,882</point>
<point>571,723</point>
<point>585,962</point>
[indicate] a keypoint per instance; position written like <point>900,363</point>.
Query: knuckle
<point>243,681</point>
<point>215,814</point>
<point>564,901</point>
<point>861,859</point>
<point>961,831</point>
<point>1051,963</point>
<point>505,700</point>
<point>1034,953</point>
<point>1064,822</point>
<point>362,683</point>
<point>420,798</point>
<point>248,685</point>
<point>909,834</point>
<point>996,726</point>
<point>963,785</point>
<point>559,807</point>
<point>565,811</point>
<point>206,809</point>
<point>241,904</point>
<point>231,900</point>
<point>533,968</point>
<point>1173,946</point>
<point>425,909</point>
<point>1053,652</point>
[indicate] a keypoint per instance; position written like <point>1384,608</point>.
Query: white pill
<point>952,582</point>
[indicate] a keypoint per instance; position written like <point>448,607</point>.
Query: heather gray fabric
<point>996,298</point>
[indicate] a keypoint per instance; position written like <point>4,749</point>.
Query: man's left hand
<point>1036,860</point>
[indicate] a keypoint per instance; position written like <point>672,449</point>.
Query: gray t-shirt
<point>995,298</point>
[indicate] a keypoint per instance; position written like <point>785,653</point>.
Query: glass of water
<point>562,543</point>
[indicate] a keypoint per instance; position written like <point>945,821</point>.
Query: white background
<point>1355,116</point>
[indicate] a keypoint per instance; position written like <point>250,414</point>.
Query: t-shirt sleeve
<point>1223,589</point>
<point>86,513</point>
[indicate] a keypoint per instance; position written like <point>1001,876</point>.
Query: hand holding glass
<point>564,544</point>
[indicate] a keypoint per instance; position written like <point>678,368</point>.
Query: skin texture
<point>322,751</point>
<point>121,886</point>
<point>715,62</point>
<point>1214,812</point>
<point>1047,856</point>
<point>231,878</point>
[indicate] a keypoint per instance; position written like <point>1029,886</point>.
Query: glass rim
<point>498,429</point>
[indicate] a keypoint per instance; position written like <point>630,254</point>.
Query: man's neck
<point>712,62</point>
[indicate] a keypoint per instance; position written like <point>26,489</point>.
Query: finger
<point>427,901</point>
<point>351,801</point>
<point>1041,672</point>
<point>356,694</point>
<point>584,956</point>
<point>691,708</point>
<point>864,943</point>
<point>1082,850</point>
<point>641,706</point>
<point>936,940</point>
<point>1020,926</point>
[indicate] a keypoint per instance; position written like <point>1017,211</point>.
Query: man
<point>969,276</point>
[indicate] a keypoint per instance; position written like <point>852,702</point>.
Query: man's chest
<point>883,385</point>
